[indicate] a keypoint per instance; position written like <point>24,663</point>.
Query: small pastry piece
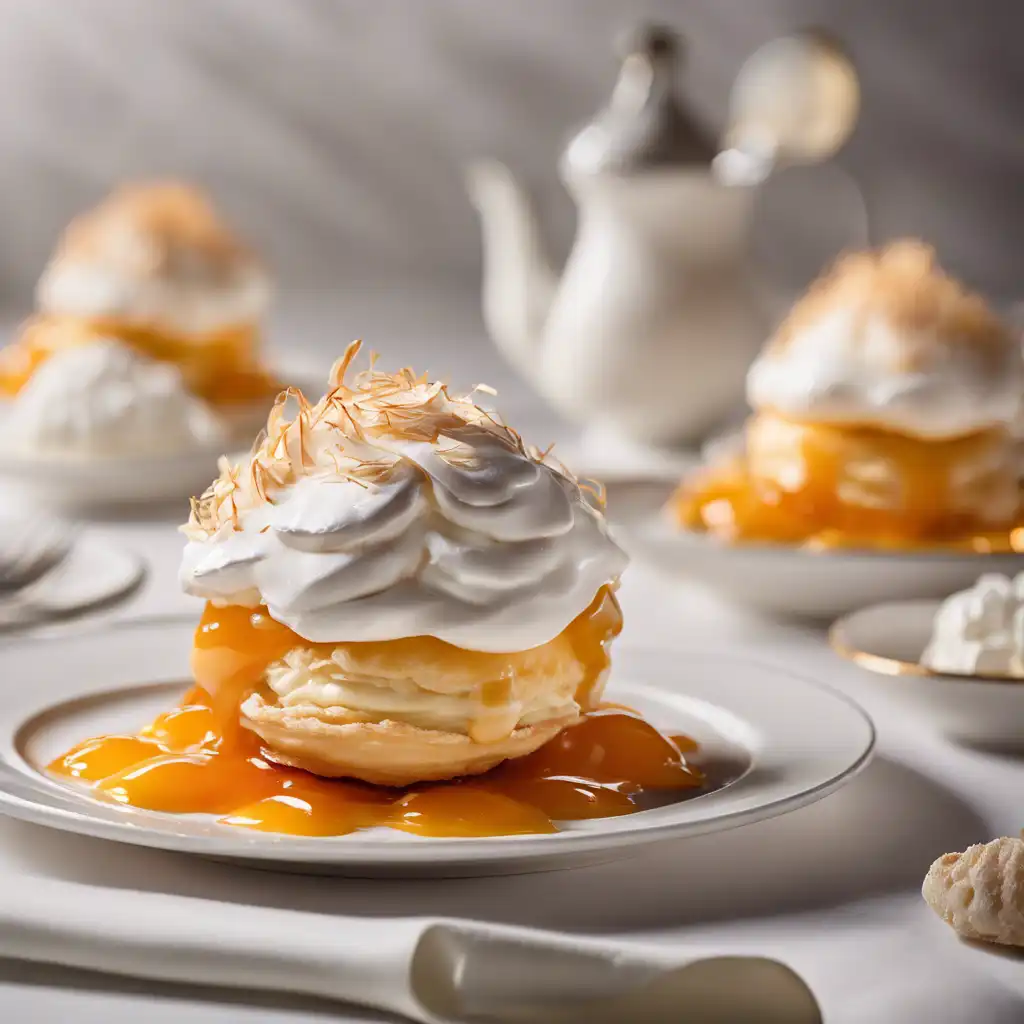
<point>882,415</point>
<point>434,596</point>
<point>155,267</point>
<point>980,893</point>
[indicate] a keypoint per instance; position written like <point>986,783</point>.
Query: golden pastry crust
<point>337,743</point>
<point>980,893</point>
<point>904,283</point>
<point>175,223</point>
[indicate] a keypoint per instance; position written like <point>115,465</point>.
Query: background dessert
<point>442,594</point>
<point>158,287</point>
<point>882,415</point>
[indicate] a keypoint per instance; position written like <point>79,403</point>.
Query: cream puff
<point>153,266</point>
<point>883,409</point>
<point>399,589</point>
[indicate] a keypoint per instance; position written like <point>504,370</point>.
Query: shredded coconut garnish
<point>336,439</point>
<point>904,283</point>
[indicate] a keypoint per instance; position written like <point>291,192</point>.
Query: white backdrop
<point>334,130</point>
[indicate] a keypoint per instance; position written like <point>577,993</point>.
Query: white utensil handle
<point>174,938</point>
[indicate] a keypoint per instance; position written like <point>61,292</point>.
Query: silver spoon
<point>29,549</point>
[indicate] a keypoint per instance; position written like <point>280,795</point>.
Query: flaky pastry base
<point>336,743</point>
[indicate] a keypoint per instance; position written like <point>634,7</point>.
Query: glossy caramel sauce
<point>197,758</point>
<point>222,368</point>
<point>831,487</point>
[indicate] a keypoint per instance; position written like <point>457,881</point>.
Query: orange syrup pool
<point>198,758</point>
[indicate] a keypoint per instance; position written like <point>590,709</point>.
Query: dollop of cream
<point>155,256</point>
<point>103,399</point>
<point>391,509</point>
<point>887,340</point>
<point>980,631</point>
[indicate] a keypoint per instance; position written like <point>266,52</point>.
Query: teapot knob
<point>658,43</point>
<point>645,126</point>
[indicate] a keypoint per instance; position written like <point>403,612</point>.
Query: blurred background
<point>333,132</point>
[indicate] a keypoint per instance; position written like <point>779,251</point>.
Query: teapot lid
<point>644,126</point>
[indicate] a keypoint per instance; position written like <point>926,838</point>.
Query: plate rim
<point>444,852</point>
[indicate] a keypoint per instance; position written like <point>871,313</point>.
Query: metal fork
<point>29,549</point>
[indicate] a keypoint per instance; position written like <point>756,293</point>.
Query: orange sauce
<point>832,487</point>
<point>222,367</point>
<point>198,758</point>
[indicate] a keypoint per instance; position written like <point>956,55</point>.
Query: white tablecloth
<point>833,889</point>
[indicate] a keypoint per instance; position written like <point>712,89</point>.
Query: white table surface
<point>833,889</point>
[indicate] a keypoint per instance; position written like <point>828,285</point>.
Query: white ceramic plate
<point>751,720</point>
<point>887,641</point>
<point>789,581</point>
<point>93,575</point>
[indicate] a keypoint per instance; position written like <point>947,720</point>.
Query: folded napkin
<point>432,970</point>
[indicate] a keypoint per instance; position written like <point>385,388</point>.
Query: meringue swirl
<point>888,340</point>
<point>392,510</point>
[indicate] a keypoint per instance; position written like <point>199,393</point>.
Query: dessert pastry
<point>399,592</point>
<point>980,893</point>
<point>980,631</point>
<point>882,418</point>
<point>155,268</point>
<point>429,571</point>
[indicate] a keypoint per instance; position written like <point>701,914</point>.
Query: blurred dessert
<point>105,400</point>
<point>399,592</point>
<point>154,267</point>
<point>980,631</point>
<point>980,893</point>
<point>882,417</point>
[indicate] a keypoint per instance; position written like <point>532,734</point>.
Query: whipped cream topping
<point>980,631</point>
<point>105,399</point>
<point>155,256</point>
<point>391,509</point>
<point>886,340</point>
<point>304,678</point>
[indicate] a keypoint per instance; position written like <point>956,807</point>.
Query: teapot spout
<point>518,282</point>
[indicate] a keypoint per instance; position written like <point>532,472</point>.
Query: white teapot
<point>657,314</point>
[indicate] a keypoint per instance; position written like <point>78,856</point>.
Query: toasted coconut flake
<point>347,436</point>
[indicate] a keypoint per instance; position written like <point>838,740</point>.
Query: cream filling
<point>486,712</point>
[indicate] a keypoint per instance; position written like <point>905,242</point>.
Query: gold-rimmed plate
<point>887,641</point>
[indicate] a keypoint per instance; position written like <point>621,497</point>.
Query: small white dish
<point>750,721</point>
<point>92,575</point>
<point>887,641</point>
<point>790,581</point>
